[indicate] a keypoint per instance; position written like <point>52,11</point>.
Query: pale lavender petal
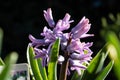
<point>40,53</point>
<point>63,24</point>
<point>36,42</point>
<point>82,22</point>
<point>63,36</point>
<point>46,31</point>
<point>58,27</point>
<point>81,28</point>
<point>81,56</point>
<point>67,17</point>
<point>75,46</point>
<point>76,63</point>
<point>48,35</point>
<point>49,18</point>
<point>86,35</point>
<point>88,44</point>
<point>84,29</point>
<point>60,59</point>
<point>33,39</point>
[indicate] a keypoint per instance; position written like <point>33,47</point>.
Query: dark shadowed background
<point>19,18</point>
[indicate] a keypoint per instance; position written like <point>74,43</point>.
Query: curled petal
<point>86,35</point>
<point>49,18</point>
<point>84,29</point>
<point>43,54</point>
<point>40,53</point>
<point>82,22</point>
<point>36,42</point>
<point>48,35</point>
<point>46,31</point>
<point>83,57</point>
<point>75,46</point>
<point>81,28</point>
<point>67,17</point>
<point>63,24</point>
<point>76,63</point>
<point>60,26</point>
<point>89,44</point>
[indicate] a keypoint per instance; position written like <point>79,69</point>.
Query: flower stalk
<point>65,64</point>
<point>64,67</point>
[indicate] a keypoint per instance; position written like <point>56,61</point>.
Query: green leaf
<point>111,16</point>
<point>95,65</point>
<point>34,68</point>
<point>42,69</point>
<point>112,39</point>
<point>1,38</point>
<point>114,56</point>
<point>102,60</point>
<point>9,61</point>
<point>75,76</point>
<point>114,49</point>
<point>104,22</point>
<point>52,66</point>
<point>102,75</point>
<point>1,62</point>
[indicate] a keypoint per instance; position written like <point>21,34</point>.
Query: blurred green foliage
<point>111,34</point>
<point>6,65</point>
<point>9,61</point>
<point>111,24</point>
<point>1,39</point>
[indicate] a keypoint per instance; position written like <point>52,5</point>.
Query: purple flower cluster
<point>80,53</point>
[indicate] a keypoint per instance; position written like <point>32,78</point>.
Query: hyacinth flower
<point>66,49</point>
<point>76,54</point>
<point>70,42</point>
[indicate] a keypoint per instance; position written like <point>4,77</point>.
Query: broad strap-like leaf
<point>52,65</point>
<point>1,62</point>
<point>102,75</point>
<point>34,68</point>
<point>102,60</point>
<point>42,69</point>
